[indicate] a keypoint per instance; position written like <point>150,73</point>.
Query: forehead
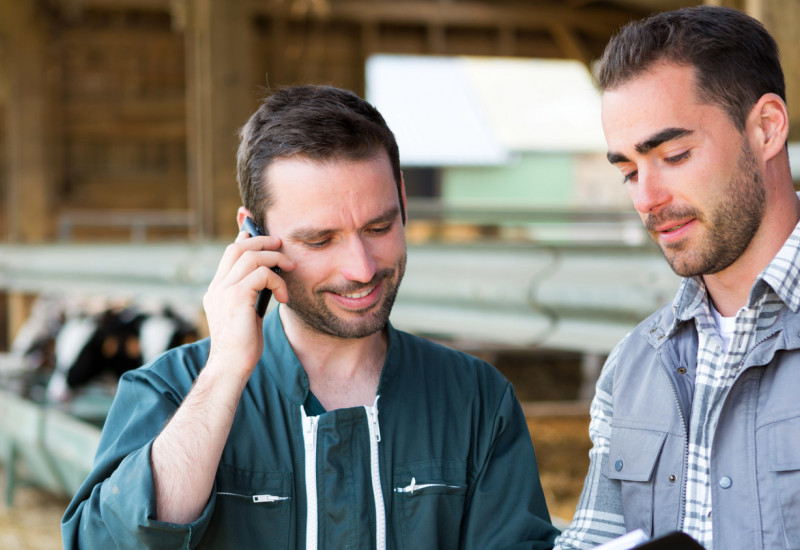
<point>329,192</point>
<point>662,97</point>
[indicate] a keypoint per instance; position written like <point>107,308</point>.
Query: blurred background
<point>118,132</point>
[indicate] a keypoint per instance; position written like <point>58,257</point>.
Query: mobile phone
<point>262,300</point>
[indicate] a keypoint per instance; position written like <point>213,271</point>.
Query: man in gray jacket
<point>696,418</point>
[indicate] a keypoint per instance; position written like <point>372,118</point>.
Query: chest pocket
<point>784,461</point>
<point>252,509</point>
<point>632,458</point>
<point>429,497</point>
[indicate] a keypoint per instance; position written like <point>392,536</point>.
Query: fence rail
<point>575,298</point>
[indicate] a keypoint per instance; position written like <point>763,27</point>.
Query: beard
<point>312,309</point>
<point>731,223</point>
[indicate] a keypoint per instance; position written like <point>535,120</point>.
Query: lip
<point>360,302</point>
<point>673,231</point>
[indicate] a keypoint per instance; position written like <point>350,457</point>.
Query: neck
<point>342,372</point>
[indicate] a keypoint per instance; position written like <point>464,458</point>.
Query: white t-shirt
<point>725,327</point>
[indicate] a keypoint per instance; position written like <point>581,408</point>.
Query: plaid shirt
<point>598,517</point>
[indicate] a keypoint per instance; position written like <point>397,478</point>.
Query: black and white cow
<point>110,343</point>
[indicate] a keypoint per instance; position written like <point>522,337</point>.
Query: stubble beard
<point>734,222</point>
<point>313,311</point>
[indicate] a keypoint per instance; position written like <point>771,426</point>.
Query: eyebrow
<point>312,234</point>
<point>650,143</point>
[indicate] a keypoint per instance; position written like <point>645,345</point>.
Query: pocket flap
<point>784,445</point>
<point>633,453</point>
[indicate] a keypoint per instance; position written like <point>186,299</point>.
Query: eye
<point>677,159</point>
<point>318,244</point>
<point>630,176</point>
<point>380,229</point>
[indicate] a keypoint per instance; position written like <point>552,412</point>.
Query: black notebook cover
<point>672,541</point>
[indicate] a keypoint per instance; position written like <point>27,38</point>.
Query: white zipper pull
<point>373,418</point>
<point>410,488</point>
<point>268,498</point>
<point>310,426</point>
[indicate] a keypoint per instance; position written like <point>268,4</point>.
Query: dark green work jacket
<point>442,460</point>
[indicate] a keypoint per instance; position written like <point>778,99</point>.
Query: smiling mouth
<point>675,228</point>
<point>356,295</point>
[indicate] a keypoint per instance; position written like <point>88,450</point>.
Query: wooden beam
<point>506,41</point>
<point>594,21</point>
<point>29,126</point>
<point>220,99</point>
<point>437,40</point>
<point>735,4</point>
<point>72,6</point>
<point>198,118</point>
<point>570,44</point>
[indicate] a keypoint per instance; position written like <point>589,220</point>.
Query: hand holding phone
<point>264,295</point>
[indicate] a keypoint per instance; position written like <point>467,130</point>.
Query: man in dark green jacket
<point>268,434</point>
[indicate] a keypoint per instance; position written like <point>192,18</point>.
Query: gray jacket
<point>755,466</point>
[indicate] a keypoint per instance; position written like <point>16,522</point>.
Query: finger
<point>233,252</point>
<point>252,260</point>
<point>261,278</point>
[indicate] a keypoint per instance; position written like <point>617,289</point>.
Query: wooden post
<point>28,127</point>
<point>220,97</point>
<point>19,309</point>
<point>782,20</point>
<point>29,139</point>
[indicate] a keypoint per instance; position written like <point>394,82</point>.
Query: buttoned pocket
<point>632,457</point>
<point>784,461</point>
<point>430,497</point>
<point>252,508</point>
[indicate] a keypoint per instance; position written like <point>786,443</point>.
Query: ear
<point>403,198</point>
<point>241,214</point>
<point>769,121</point>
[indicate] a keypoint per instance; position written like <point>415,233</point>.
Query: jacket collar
<point>283,366</point>
<point>781,277</point>
<point>281,362</point>
<point>660,327</point>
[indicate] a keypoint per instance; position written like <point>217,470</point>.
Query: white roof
<point>478,111</point>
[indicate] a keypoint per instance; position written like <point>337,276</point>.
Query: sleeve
<point>505,505</point>
<point>116,505</point>
<point>598,517</point>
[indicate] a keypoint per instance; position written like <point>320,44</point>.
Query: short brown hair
<point>736,60</point>
<point>320,123</point>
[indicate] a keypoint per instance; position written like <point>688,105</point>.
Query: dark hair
<point>320,123</point>
<point>735,59</point>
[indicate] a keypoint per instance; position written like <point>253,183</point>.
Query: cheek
<point>389,250</point>
<point>312,267</point>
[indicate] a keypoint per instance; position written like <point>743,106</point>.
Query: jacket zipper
<point>678,406</point>
<point>374,460</point>
<point>686,425</point>
<point>310,439</point>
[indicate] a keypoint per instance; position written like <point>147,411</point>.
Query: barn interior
<point>118,131</point>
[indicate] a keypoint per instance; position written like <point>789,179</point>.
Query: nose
<point>648,192</point>
<point>359,263</point>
